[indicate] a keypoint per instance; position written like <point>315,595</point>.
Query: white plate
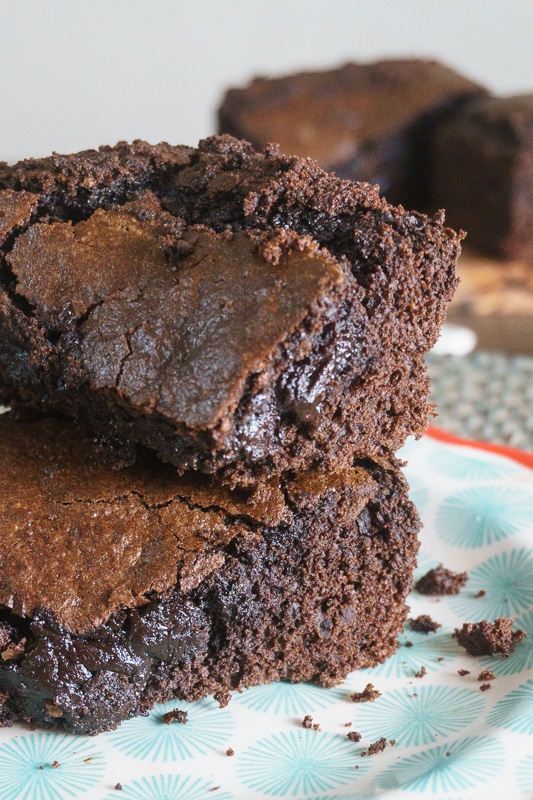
<point>452,741</point>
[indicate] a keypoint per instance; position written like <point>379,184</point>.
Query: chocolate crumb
<point>441,581</point>
<point>118,787</point>
<point>421,672</point>
<point>424,624</point>
<point>481,593</point>
<point>347,724</point>
<point>357,766</point>
<point>486,675</point>
<point>56,764</point>
<point>376,747</point>
<point>415,694</point>
<point>368,695</point>
<point>230,751</point>
<point>463,672</point>
<point>307,721</point>
<point>354,736</point>
<point>488,638</point>
<point>316,726</point>
<point>447,754</point>
<point>222,699</point>
<point>440,658</point>
<point>176,715</point>
<point>408,643</point>
<point>484,687</point>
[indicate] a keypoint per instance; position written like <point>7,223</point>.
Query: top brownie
<point>366,121</point>
<point>231,310</point>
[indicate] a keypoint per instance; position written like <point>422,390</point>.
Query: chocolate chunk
<point>441,581</point>
<point>488,638</point>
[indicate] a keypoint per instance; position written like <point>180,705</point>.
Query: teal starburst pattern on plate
<point>481,515</point>
<point>425,650</point>
<point>506,579</point>
<point>418,490</point>
<point>303,762</point>
<point>206,730</point>
<point>288,698</point>
<point>453,767</point>
<point>350,796</point>
<point>515,711</point>
<point>41,766</point>
<point>462,466</point>
<point>170,787</point>
<point>524,775</point>
<point>416,720</point>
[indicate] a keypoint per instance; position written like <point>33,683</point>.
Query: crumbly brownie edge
<point>287,603</point>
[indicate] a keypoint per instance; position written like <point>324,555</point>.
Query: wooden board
<point>495,299</point>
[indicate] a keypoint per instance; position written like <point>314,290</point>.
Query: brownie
<point>228,309</point>
<point>120,588</point>
<point>365,121</point>
<point>484,174</point>
<point>487,638</point>
<point>441,580</point>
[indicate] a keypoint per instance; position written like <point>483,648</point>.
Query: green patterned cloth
<point>484,396</point>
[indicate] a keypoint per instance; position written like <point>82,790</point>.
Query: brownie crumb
<point>376,747</point>
<point>440,658</point>
<point>408,643</point>
<point>230,751</point>
<point>354,736</point>
<point>307,721</point>
<point>222,699</point>
<point>488,638</point>
<point>484,687</point>
<point>486,675</point>
<point>316,726</point>
<point>463,672</point>
<point>176,715</point>
<point>368,695</point>
<point>421,672</point>
<point>347,724</point>
<point>392,742</point>
<point>441,581</point>
<point>424,624</point>
<point>481,593</point>
<point>118,787</point>
<point>56,765</point>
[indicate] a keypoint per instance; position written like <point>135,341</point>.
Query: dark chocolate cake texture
<point>122,588</point>
<point>230,310</point>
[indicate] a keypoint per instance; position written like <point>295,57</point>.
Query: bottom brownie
<point>120,589</point>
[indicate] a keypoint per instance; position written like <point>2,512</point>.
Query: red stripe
<point>511,452</point>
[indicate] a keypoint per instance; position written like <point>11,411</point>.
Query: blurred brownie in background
<point>369,122</point>
<point>483,174</point>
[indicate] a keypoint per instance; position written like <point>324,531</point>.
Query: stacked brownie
<point>211,357</point>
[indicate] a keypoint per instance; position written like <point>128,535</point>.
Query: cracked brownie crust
<point>122,588</point>
<point>231,310</point>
